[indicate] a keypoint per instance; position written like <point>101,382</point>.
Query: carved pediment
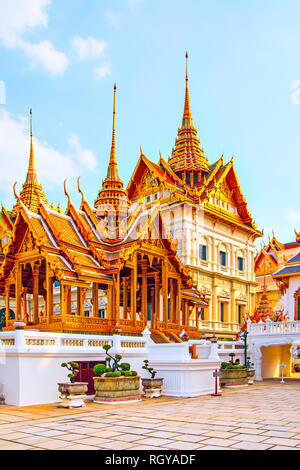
<point>29,243</point>
<point>149,182</point>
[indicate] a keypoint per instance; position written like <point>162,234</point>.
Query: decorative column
<point>152,307</point>
<point>79,306</point>
<point>133,288</point>
<point>36,294</point>
<point>156,301</point>
<point>24,302</point>
<point>125,297</point>
<point>63,303</point>
<point>7,306</point>
<point>95,299</point>
<point>117,298</point>
<point>49,295</point>
<point>165,292</point>
<point>144,290</point>
<point>178,304</point>
<point>214,302</point>
<point>232,313</point>
<point>171,300</point>
<point>18,292</point>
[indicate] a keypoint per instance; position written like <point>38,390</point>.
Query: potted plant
<point>233,375</point>
<point>72,393</point>
<point>152,386</point>
<point>250,371</point>
<point>115,382</point>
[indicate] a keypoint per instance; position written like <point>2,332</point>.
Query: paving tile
<point>279,434</point>
<point>282,441</point>
<point>154,441</point>
<point>219,442</point>
<point>244,445</point>
<point>177,445</point>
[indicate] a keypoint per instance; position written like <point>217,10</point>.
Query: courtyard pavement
<point>262,416</point>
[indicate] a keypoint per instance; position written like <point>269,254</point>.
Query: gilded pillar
<point>35,319</point>
<point>172,303</point>
<point>178,305</point>
<point>18,292</point>
<point>125,297</point>
<point>95,299</point>
<point>7,306</point>
<point>144,290</point>
<point>156,301</point>
<point>165,292</point>
<point>133,288</point>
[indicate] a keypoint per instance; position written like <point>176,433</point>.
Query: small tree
<point>112,361</point>
<point>232,355</point>
<point>149,369</point>
<point>73,368</point>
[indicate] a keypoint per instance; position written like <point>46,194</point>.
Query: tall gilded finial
<point>112,193</point>
<point>112,171</point>
<point>187,115</point>
<point>32,191</point>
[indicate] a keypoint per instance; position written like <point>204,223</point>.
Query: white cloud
<point>88,48</point>
<point>45,54</point>
<point>19,16</point>
<point>292,215</point>
<point>84,156</point>
<point>102,71</point>
<point>52,166</point>
<point>114,19</point>
<point>133,3</point>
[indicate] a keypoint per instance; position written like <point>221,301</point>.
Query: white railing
<point>274,328</point>
<point>35,340</point>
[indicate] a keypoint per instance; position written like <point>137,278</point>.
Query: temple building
<point>271,258</point>
<point>57,266</point>
<point>206,212</point>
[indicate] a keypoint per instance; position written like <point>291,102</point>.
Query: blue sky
<point>62,58</point>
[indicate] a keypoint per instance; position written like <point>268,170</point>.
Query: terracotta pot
<point>233,377</point>
<point>152,387</point>
<point>116,389</point>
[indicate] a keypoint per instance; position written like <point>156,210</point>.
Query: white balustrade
<point>274,328</point>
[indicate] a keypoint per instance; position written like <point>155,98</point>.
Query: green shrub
<point>223,365</point>
<point>99,369</point>
<point>124,366</point>
<point>109,374</point>
<point>116,374</point>
<point>134,373</point>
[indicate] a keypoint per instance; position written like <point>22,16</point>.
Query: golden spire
<point>112,196</point>
<point>31,190</point>
<point>31,177</point>
<point>187,115</point>
<point>188,159</point>
<point>112,171</point>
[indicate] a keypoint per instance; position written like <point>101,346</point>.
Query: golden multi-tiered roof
<point>112,196</point>
<point>31,190</point>
<point>188,157</point>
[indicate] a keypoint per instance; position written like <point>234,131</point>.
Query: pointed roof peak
<point>187,115</point>
<point>32,191</point>
<point>112,192</point>
<point>188,155</point>
<point>112,171</point>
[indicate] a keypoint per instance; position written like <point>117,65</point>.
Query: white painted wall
<point>30,363</point>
